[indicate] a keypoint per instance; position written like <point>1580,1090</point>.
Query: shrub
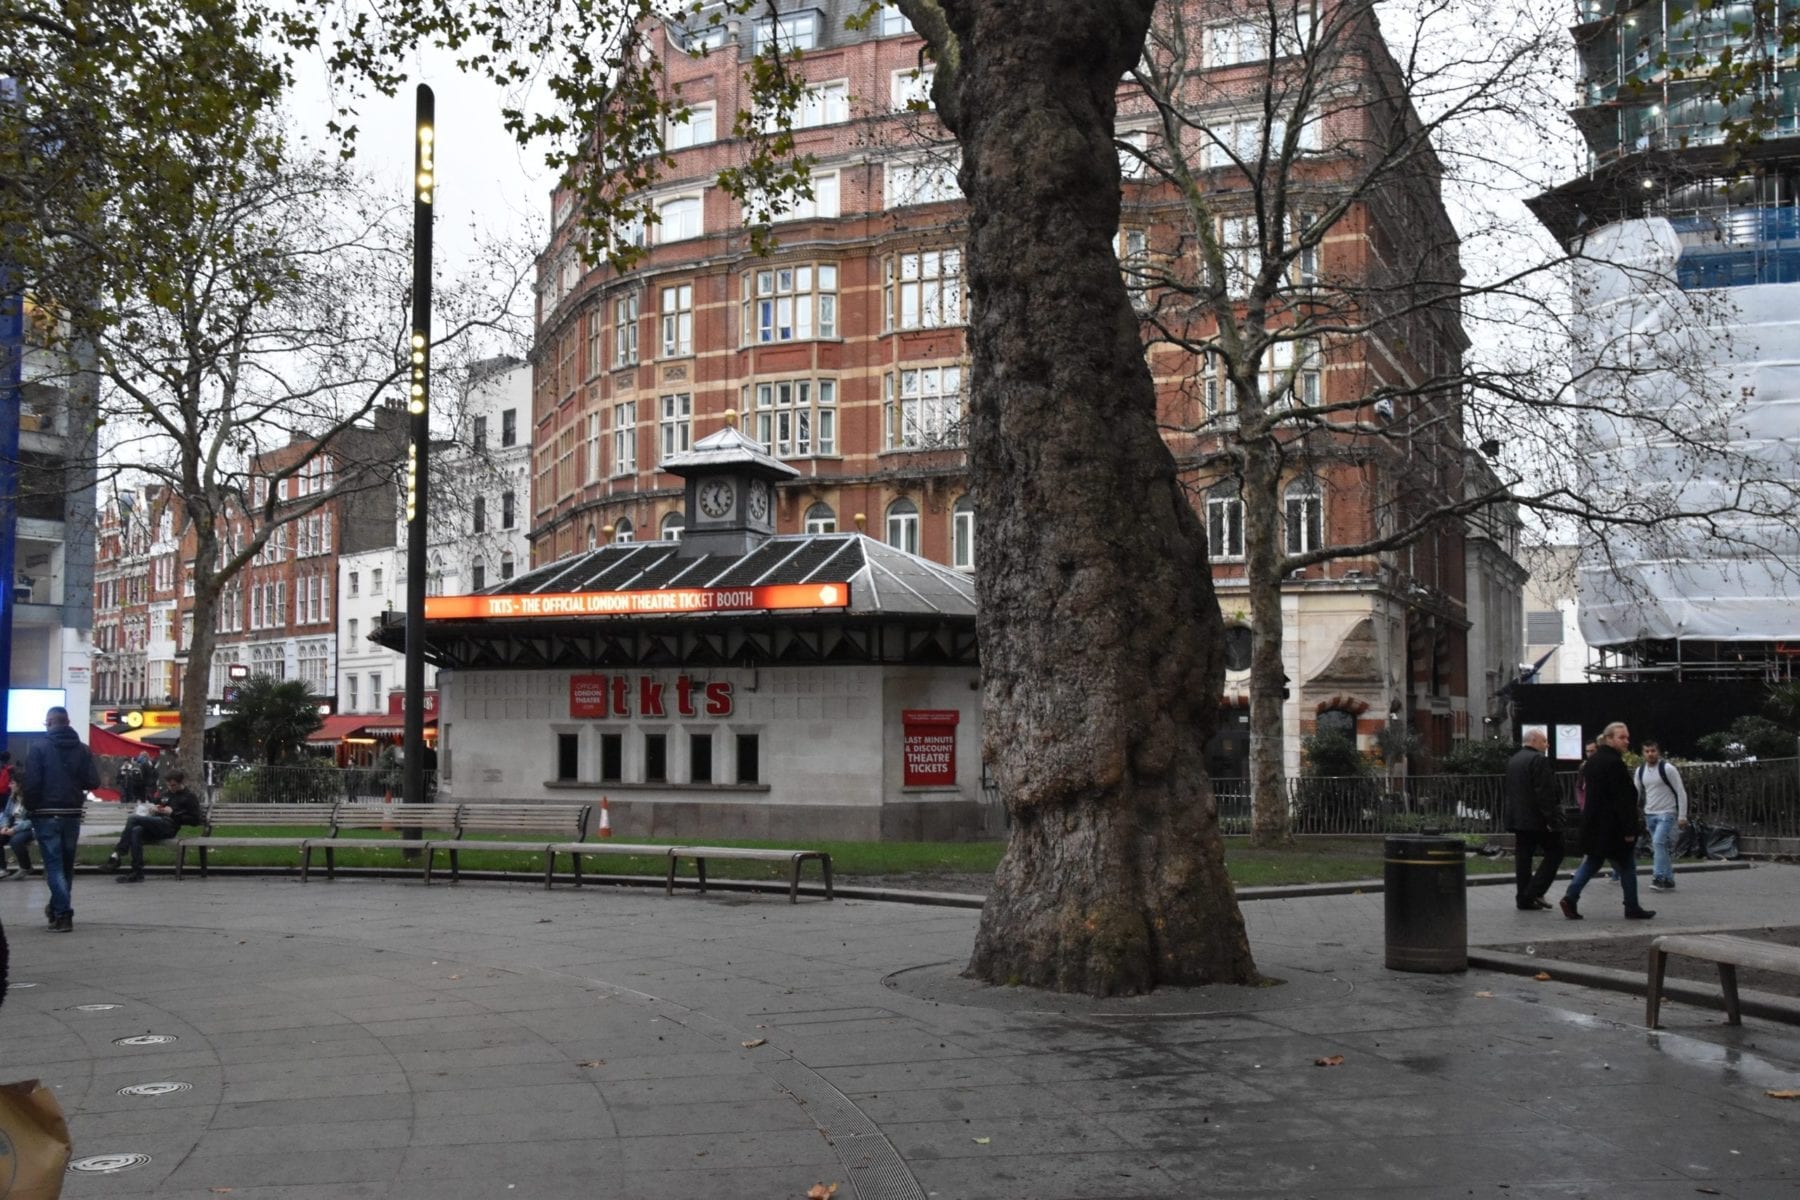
<point>1332,755</point>
<point>1485,757</point>
<point>1748,737</point>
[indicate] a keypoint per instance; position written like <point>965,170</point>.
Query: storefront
<point>730,684</point>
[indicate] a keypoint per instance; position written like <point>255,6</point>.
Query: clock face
<point>759,501</point>
<point>716,498</point>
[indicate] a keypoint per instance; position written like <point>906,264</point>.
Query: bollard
<point>1427,904</point>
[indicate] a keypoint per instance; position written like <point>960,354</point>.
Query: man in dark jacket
<point>1534,814</point>
<point>59,772</point>
<point>1609,823</point>
<point>176,807</point>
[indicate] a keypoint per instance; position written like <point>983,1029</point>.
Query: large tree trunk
<point>1101,651</point>
<point>1270,822</point>
<point>196,676</point>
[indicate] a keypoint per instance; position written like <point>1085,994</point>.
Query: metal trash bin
<point>1427,904</point>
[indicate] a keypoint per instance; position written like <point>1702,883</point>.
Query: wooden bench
<point>555,820</point>
<point>1728,952</point>
<point>251,815</point>
<point>793,859</point>
<point>355,815</point>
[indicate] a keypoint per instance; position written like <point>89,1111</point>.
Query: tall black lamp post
<point>418,447</point>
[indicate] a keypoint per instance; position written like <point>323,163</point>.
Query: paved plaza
<point>371,1038</point>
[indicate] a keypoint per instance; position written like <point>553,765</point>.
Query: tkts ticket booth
<point>729,684</point>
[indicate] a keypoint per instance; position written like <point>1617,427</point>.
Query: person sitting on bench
<point>177,806</point>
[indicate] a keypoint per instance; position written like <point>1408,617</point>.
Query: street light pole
<point>418,447</point>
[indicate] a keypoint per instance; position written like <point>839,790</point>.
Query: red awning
<point>102,741</point>
<point>337,728</point>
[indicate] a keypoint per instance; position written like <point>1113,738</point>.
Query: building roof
<point>883,581</point>
<point>728,448</point>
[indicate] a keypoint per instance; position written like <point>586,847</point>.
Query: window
<point>656,758</point>
<point>795,418</point>
<point>625,330</point>
<point>1241,245</point>
<point>568,756</point>
<point>509,510</point>
<point>903,526</point>
<point>1225,522</point>
<point>625,438</point>
<point>509,427</point>
<point>962,535</point>
<point>1134,147</point>
<point>824,202</point>
<point>612,757</point>
<point>910,89</point>
<point>478,575</point>
<point>703,34</point>
<point>924,408</point>
<point>749,758</point>
<point>786,32</point>
<point>928,181</point>
<point>376,696</point>
<point>695,130</point>
<point>923,290</point>
<point>506,566</point>
<point>672,526</point>
<point>678,219</point>
<point>785,304</point>
<point>700,758</point>
<point>594,438</point>
<point>315,664</point>
<point>892,22</point>
<point>676,424</point>
<point>353,625</point>
<point>678,320</point>
<point>1286,385</point>
<point>1133,249</point>
<point>354,575</point>
<point>351,701</point>
<point>820,519</point>
<point>1303,516</point>
<point>478,515</point>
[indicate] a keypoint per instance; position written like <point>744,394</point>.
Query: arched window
<point>962,534</point>
<point>1303,515</point>
<point>593,537</point>
<point>903,526</point>
<point>820,519</point>
<point>1239,642</point>
<point>1336,720</point>
<point>506,566</point>
<point>1225,522</point>
<point>477,575</point>
<point>622,532</point>
<point>672,525</point>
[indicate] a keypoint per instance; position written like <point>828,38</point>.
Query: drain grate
<point>95,1007</point>
<point>166,1088</point>
<point>145,1039</point>
<point>106,1164</point>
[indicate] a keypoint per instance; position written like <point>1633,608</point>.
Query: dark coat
<point>1611,814</point>
<point>59,772</point>
<point>1533,799</point>
<point>184,806</point>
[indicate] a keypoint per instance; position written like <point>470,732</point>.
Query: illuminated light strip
<point>659,602</point>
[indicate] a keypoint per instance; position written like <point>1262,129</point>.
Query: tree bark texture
<point>1270,822</point>
<point>1101,648</point>
<point>196,674</point>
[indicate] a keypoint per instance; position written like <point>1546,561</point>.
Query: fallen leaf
<point>218,1191</point>
<point>753,1043</point>
<point>1542,977</point>
<point>983,1141</point>
<point>594,1062</point>
<point>1783,1094</point>
<point>1706,1191</point>
<point>1484,995</point>
<point>456,977</point>
<point>1335,1060</point>
<point>821,1191</point>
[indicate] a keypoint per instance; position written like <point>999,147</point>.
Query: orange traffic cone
<point>605,829</point>
<point>387,813</point>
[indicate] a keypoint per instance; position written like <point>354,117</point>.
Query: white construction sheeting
<point>1695,435</point>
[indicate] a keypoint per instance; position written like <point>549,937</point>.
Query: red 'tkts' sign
<point>928,746</point>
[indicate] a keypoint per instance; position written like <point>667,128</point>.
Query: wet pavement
<point>373,1038</point>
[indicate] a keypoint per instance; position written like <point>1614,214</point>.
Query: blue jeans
<point>57,837</point>
<point>1624,861</point>
<point>1662,843</point>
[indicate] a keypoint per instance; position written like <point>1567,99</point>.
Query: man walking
<point>59,771</point>
<point>1665,803</point>
<point>1534,814</point>
<point>1609,823</point>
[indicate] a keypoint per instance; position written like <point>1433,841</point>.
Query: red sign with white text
<point>928,746</point>
<point>661,601</point>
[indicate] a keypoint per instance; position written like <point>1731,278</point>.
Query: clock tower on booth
<point>730,496</point>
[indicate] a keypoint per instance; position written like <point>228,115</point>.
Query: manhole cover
<point>145,1039</point>
<point>95,1007</point>
<point>166,1088</point>
<point>106,1164</point>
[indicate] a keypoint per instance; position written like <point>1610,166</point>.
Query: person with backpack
<point>1665,801</point>
<point>59,773</point>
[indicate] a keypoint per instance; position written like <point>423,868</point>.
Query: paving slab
<point>378,1038</point>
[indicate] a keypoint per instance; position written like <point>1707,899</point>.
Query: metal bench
<point>240,815</point>
<point>555,820</point>
<point>579,850</point>
<point>356,815</point>
<point>793,859</point>
<point>1728,952</point>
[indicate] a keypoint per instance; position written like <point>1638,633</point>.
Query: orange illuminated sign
<point>662,601</point>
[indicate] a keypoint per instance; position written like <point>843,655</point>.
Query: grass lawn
<point>933,864</point>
